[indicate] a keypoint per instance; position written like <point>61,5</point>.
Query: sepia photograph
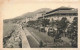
<point>40,25</point>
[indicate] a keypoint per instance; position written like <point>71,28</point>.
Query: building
<point>61,12</point>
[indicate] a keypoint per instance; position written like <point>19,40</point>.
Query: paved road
<point>25,43</point>
<point>41,36</point>
<point>29,34</point>
<point>37,37</point>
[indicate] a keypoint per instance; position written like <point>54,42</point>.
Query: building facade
<point>61,12</point>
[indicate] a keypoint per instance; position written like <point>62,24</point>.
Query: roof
<point>60,8</point>
<point>63,12</point>
<point>67,11</point>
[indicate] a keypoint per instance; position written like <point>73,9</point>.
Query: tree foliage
<point>72,31</point>
<point>45,22</point>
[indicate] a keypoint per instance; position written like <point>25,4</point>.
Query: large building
<point>61,12</point>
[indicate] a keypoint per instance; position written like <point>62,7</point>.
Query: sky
<point>14,8</point>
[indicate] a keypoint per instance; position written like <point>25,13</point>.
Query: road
<point>25,43</point>
<point>38,36</point>
<point>41,35</point>
<point>29,34</point>
<point>34,43</point>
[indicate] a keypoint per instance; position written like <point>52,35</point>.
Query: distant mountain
<point>30,14</point>
<point>33,14</point>
<point>43,10</point>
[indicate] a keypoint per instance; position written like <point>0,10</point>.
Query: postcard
<point>39,24</point>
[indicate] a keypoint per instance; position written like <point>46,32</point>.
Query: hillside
<point>28,14</point>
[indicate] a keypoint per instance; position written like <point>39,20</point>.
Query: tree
<point>45,22</point>
<point>52,23</point>
<point>63,25</point>
<point>31,23</point>
<point>72,31</point>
